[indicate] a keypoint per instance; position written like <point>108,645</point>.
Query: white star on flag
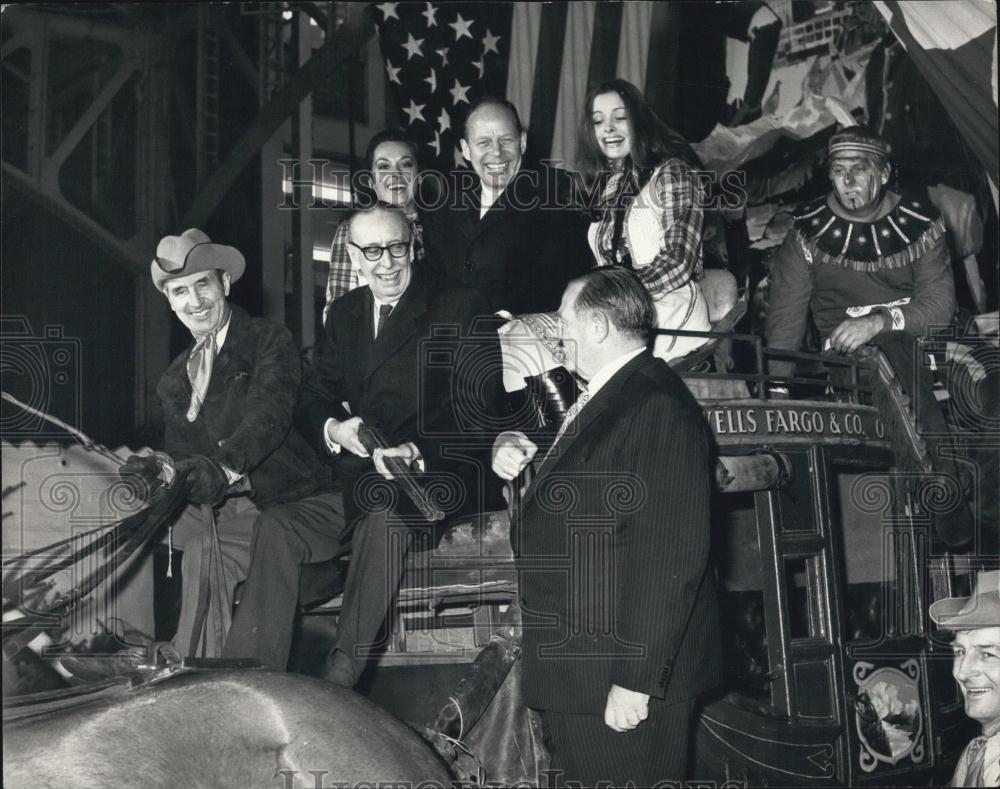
<point>388,11</point>
<point>437,57</point>
<point>461,27</point>
<point>458,93</point>
<point>490,43</point>
<point>415,111</point>
<point>412,46</point>
<point>429,13</point>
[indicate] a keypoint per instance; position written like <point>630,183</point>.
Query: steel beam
<point>52,164</point>
<point>240,57</point>
<point>302,260</point>
<point>121,252</point>
<point>319,67</point>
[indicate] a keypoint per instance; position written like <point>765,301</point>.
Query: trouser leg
<point>378,552</point>
<point>286,537</point>
<point>583,749</point>
<point>234,522</point>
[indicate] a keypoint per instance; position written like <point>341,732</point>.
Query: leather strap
<point>208,586</point>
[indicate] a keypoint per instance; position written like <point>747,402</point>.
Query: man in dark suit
<point>508,231</point>
<point>612,540</point>
<point>398,358</point>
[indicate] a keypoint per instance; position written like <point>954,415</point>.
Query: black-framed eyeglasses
<point>373,252</point>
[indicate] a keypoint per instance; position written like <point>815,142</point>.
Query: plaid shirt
<point>662,230</point>
<point>344,277</point>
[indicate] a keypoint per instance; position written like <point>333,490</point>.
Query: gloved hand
<point>206,481</point>
<point>147,470</point>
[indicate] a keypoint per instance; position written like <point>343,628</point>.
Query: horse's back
<point>233,728</point>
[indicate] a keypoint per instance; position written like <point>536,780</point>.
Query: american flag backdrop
<point>540,56</point>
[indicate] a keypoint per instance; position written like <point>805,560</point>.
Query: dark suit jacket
<point>416,382</point>
<point>521,254</point>
<point>612,550</point>
<point>245,422</point>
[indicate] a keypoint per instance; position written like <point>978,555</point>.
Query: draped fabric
<point>543,57</point>
<point>954,45</point>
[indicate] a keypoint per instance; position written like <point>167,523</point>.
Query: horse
<point>211,728</point>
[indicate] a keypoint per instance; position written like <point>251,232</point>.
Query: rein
<point>120,540</point>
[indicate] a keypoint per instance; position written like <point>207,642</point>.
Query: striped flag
<point>541,56</point>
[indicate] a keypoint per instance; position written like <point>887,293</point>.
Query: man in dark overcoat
<point>397,357</point>
<point>504,229</point>
<point>620,618</point>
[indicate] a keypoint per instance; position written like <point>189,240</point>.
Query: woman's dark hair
<point>390,135</point>
<point>366,188</point>
<point>653,141</point>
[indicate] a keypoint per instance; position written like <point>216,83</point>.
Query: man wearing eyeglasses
<point>396,358</point>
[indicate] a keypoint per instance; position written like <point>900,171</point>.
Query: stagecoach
<point>827,559</point>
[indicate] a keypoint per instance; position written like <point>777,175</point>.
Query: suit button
<point>468,265</point>
<point>222,442</point>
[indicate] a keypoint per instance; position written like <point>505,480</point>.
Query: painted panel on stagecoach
<point>888,714</point>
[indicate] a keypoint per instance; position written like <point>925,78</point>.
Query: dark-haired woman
<point>393,169</point>
<point>649,210</point>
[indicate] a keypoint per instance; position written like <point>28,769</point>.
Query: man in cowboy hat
<point>227,406</point>
<point>975,621</point>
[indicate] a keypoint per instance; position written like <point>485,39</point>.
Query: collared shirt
<point>344,275</point>
<point>597,381</point>
<point>606,373</point>
<point>220,340</point>
<point>332,445</point>
<point>487,198</point>
<point>376,306</point>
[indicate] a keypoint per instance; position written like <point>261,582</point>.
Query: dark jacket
<point>245,422</point>
<point>521,254</point>
<point>418,381</point>
<point>612,549</point>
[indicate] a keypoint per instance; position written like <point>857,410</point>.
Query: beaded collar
<point>894,240</point>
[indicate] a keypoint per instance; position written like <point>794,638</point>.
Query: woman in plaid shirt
<point>650,206</point>
<point>392,162</point>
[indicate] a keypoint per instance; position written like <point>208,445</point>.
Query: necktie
<point>199,369</point>
<point>568,420</point>
<point>383,315</point>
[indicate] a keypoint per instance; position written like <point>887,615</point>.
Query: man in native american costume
<point>873,268</point>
